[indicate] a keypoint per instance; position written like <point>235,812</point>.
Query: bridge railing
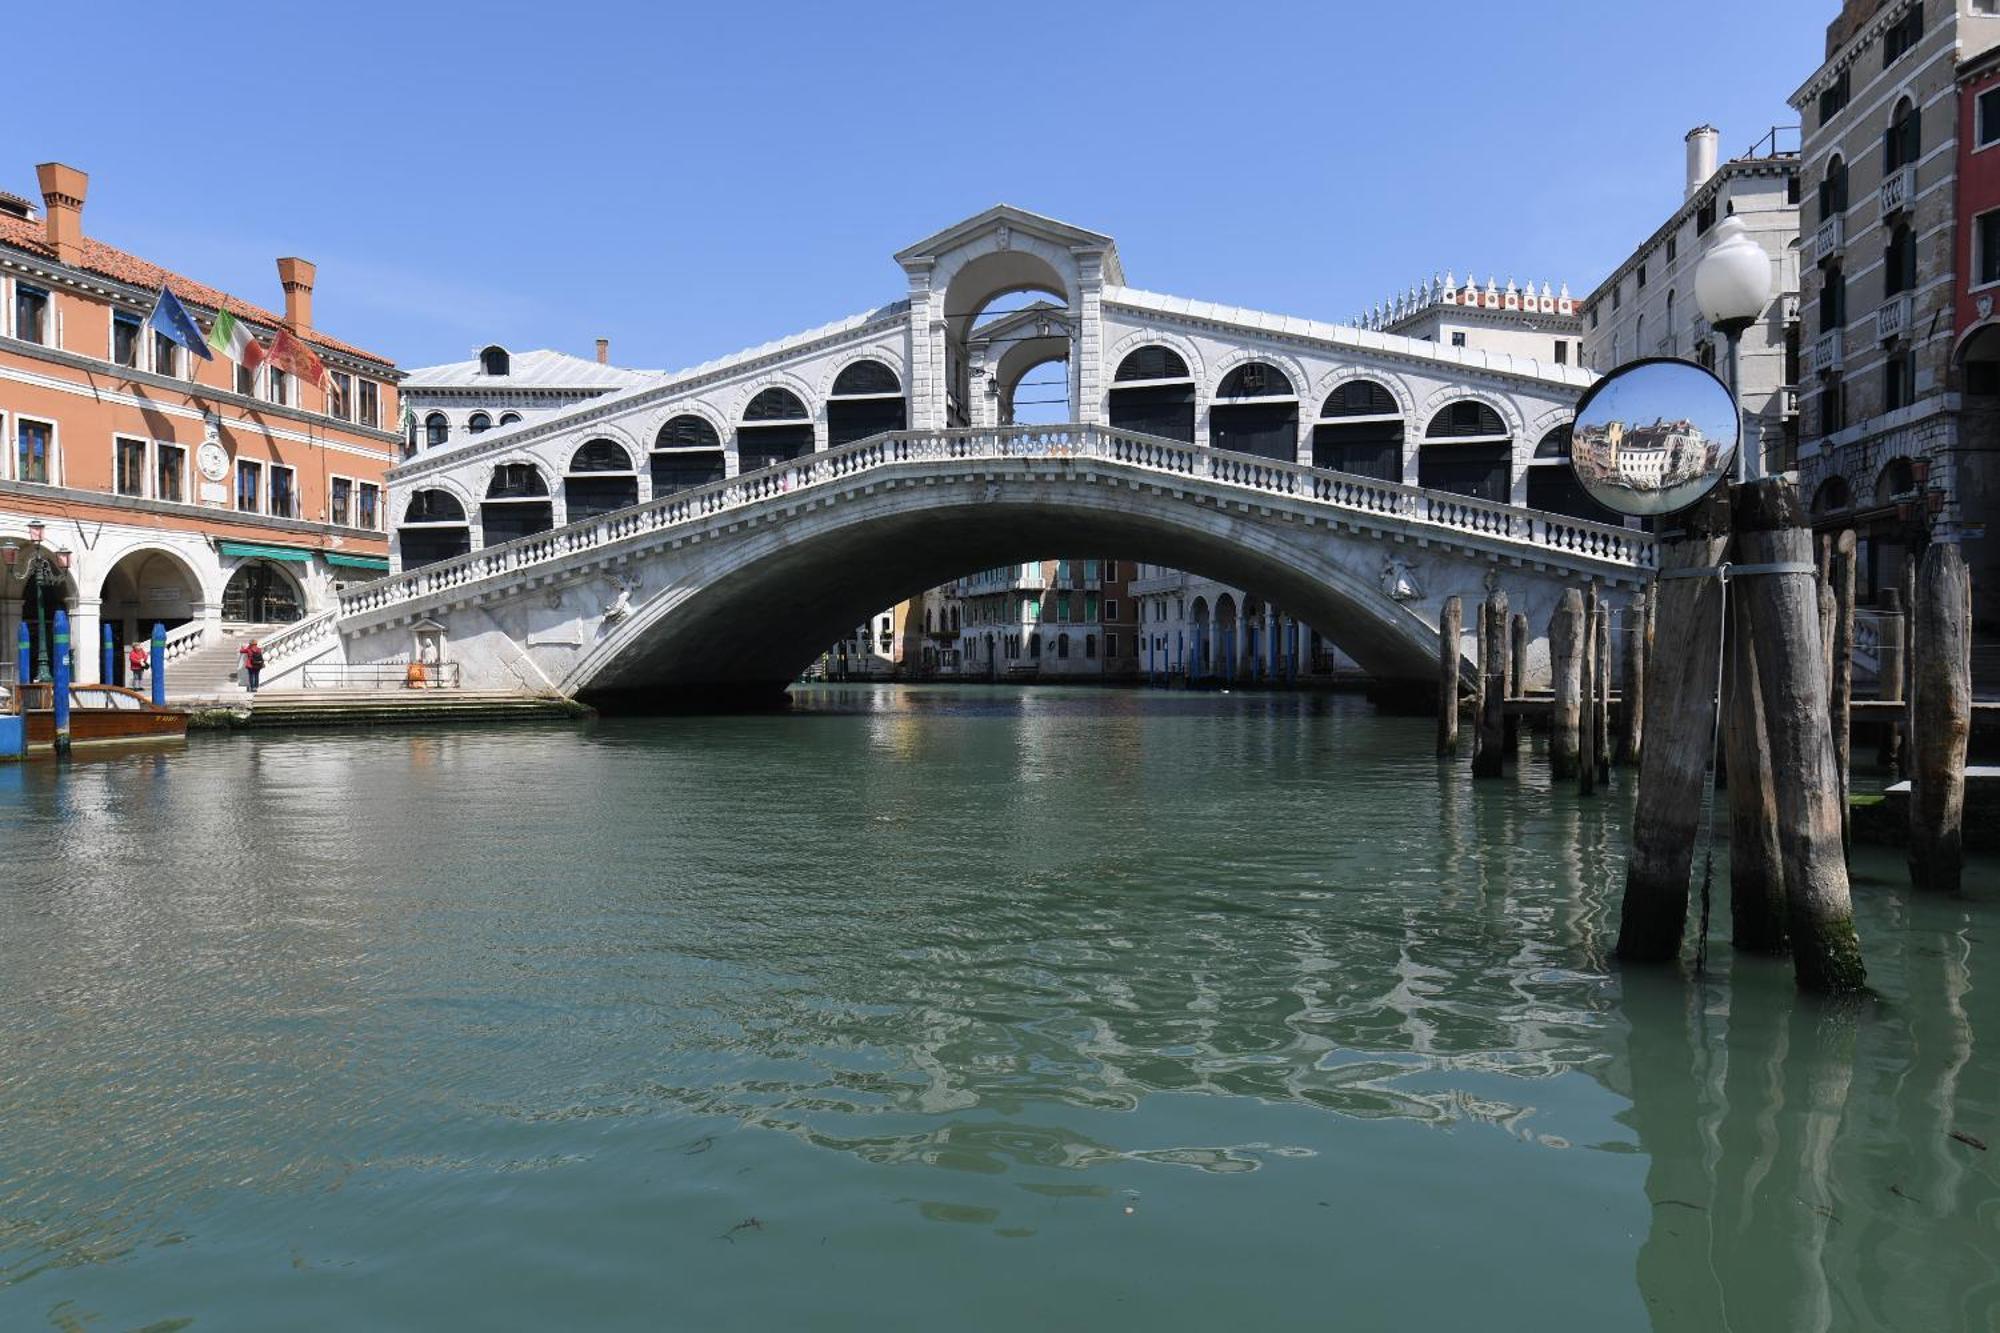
<point>1414,505</point>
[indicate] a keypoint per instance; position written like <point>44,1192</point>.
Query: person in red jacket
<point>136,662</point>
<point>252,654</point>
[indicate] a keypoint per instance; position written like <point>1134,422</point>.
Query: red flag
<point>289,353</point>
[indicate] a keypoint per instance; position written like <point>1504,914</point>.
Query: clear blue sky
<point>690,180</point>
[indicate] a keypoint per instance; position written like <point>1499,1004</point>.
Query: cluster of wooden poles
<point>1760,642</point>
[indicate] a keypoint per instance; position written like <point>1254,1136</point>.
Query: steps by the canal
<point>401,708</point>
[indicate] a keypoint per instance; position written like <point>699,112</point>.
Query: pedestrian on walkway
<point>136,662</point>
<point>252,654</point>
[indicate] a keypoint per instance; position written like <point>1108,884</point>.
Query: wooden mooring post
<point>1792,682</point>
<point>1602,730</point>
<point>1632,683</point>
<point>1840,702</point>
<point>1566,676</point>
<point>1889,678</point>
<point>1489,743</point>
<point>1679,726</point>
<point>1941,718</point>
<point>1757,910</point>
<point>1586,773</point>
<point>1450,628</point>
<point>1517,675</point>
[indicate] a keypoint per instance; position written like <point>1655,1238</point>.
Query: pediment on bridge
<point>1005,222</point>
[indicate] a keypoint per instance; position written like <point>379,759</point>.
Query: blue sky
<point>689,180</point>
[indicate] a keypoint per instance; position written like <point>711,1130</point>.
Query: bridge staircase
<point>400,709</point>
<point>202,667</point>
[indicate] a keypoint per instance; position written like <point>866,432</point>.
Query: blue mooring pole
<point>110,676</point>
<point>21,676</point>
<point>61,686</point>
<point>159,664</point>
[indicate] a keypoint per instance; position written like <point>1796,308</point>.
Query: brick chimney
<point>604,351</point>
<point>62,201</point>
<point>297,276</point>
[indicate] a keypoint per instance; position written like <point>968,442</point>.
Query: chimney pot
<point>604,351</point>
<point>1701,142</point>
<point>296,275</point>
<point>63,188</point>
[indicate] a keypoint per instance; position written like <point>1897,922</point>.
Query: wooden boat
<point>98,715</point>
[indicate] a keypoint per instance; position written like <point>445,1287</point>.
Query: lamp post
<point>1732,285</point>
<point>48,581</point>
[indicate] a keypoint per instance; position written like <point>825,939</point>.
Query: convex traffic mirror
<point>1654,437</point>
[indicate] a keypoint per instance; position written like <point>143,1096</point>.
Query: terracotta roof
<point>112,262</point>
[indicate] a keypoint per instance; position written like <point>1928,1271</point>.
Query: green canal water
<point>944,1009</point>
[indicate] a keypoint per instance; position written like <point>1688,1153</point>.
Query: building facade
<point>143,485</point>
<point>497,388</point>
<point>1884,446</point>
<point>1647,308</point>
<point>1049,620</point>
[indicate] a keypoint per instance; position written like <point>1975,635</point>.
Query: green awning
<point>374,562</point>
<point>248,551</point>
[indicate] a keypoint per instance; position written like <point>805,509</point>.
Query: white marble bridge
<point>737,585</point>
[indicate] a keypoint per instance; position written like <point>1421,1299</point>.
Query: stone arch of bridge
<point>744,617</point>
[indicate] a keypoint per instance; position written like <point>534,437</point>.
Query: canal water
<point>926,1008</point>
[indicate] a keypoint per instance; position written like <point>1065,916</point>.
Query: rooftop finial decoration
<point>1447,290</point>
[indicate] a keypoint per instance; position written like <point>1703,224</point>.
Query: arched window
<point>686,453</point>
<point>1833,496</point>
<point>1360,431</point>
<point>1153,394</point>
<point>436,429</point>
<point>1062,646</point>
<point>1898,478</point>
<point>1902,142</point>
<point>1264,418</point>
<point>510,418</point>
<point>494,361</point>
<point>517,504</point>
<point>1555,445</point>
<point>1255,379</point>
<point>1467,451</point>
<point>775,428</point>
<point>479,422</point>
<point>600,480</point>
<point>1154,361</point>
<point>433,529</point>
<point>1833,189</point>
<point>865,378</point>
<point>867,399</point>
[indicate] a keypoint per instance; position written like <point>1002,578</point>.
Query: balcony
<point>1826,353</point>
<point>1899,189</point>
<point>1830,239</point>
<point>1893,319</point>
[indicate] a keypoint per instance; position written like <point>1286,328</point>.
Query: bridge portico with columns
<point>714,529</point>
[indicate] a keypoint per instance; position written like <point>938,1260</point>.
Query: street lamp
<point>1732,285</point>
<point>48,579</point>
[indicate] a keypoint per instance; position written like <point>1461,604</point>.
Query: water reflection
<point>977,963</point>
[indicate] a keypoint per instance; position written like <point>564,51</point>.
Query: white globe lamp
<point>1732,285</point>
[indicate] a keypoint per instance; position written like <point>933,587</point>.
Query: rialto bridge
<point>716,528</point>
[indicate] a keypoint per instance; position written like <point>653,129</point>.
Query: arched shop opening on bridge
<point>867,399</point>
<point>776,428</point>
<point>434,528</point>
<point>601,479</point>
<point>1360,430</point>
<point>1256,411</point>
<point>1467,450</point>
<point>263,591</point>
<point>1153,392</point>
<point>1552,483</point>
<point>517,504</point>
<point>146,588</point>
<point>687,452</point>
<point>35,583</point>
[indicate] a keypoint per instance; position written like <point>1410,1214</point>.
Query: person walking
<point>137,659</point>
<point>252,654</point>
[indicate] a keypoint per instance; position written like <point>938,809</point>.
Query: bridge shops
<point>142,484</point>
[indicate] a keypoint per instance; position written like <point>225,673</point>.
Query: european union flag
<point>170,319</point>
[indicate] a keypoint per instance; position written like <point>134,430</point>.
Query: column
<point>87,643</point>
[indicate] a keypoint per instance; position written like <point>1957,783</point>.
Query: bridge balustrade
<point>1412,504</point>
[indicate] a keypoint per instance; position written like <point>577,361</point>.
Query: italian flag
<point>232,337</point>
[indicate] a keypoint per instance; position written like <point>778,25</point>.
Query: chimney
<point>297,276</point>
<point>604,351</point>
<point>1700,157</point>
<point>62,202</point>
